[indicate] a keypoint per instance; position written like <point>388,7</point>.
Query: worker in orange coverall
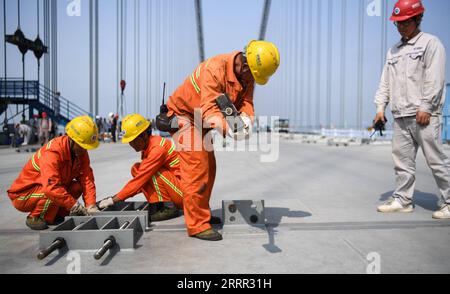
<point>157,176</point>
<point>194,105</point>
<point>56,176</point>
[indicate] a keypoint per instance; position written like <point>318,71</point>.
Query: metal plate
<point>89,233</point>
<point>243,212</point>
<point>140,209</point>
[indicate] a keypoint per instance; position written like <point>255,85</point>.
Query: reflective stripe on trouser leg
<point>25,198</point>
<point>164,187</point>
<point>44,210</point>
<point>404,152</point>
<point>158,191</point>
<point>170,186</point>
<point>36,204</point>
<point>27,203</point>
<point>156,186</point>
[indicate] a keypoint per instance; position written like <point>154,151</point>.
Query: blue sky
<point>228,26</point>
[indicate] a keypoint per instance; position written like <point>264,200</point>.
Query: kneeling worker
<point>56,176</point>
<point>156,176</point>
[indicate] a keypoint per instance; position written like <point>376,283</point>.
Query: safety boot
<point>164,213</point>
<point>36,223</point>
<point>209,235</point>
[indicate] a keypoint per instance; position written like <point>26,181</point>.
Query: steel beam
<point>265,19</point>
<point>201,44</point>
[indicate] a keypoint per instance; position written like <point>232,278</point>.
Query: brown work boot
<point>36,223</point>
<point>164,213</point>
<point>209,235</point>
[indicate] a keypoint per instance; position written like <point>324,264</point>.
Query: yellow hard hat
<point>132,126</point>
<point>84,132</point>
<point>263,59</point>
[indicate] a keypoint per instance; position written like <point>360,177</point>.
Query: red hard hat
<point>123,84</point>
<point>406,9</point>
<point>44,114</point>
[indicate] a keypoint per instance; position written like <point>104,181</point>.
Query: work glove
<point>105,203</point>
<point>79,210</point>
<point>243,134</point>
<point>93,209</point>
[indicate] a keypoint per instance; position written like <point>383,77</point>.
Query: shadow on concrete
<point>274,215</point>
<point>217,213</point>
<point>271,247</point>
<point>112,252</point>
<point>427,201</point>
<point>61,252</point>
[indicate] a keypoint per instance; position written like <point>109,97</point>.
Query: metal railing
<point>59,105</point>
<point>40,98</point>
<point>18,89</point>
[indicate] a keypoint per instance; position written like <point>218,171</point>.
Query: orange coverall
<point>51,182</point>
<point>158,175</point>
<point>211,79</point>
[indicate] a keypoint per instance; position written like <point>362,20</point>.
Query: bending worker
<point>24,131</point>
<point>56,176</point>
<point>194,104</point>
<point>156,176</point>
<point>413,81</point>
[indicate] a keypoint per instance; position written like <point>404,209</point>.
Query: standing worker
<point>114,122</point>
<point>45,126</point>
<point>34,124</point>
<point>57,175</point>
<point>157,175</point>
<point>413,81</point>
<point>194,105</point>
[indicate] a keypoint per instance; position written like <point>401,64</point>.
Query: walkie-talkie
<point>164,123</point>
<point>379,126</point>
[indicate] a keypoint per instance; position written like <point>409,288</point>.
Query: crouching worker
<point>56,176</point>
<point>156,176</point>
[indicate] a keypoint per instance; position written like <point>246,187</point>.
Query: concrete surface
<point>320,209</point>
